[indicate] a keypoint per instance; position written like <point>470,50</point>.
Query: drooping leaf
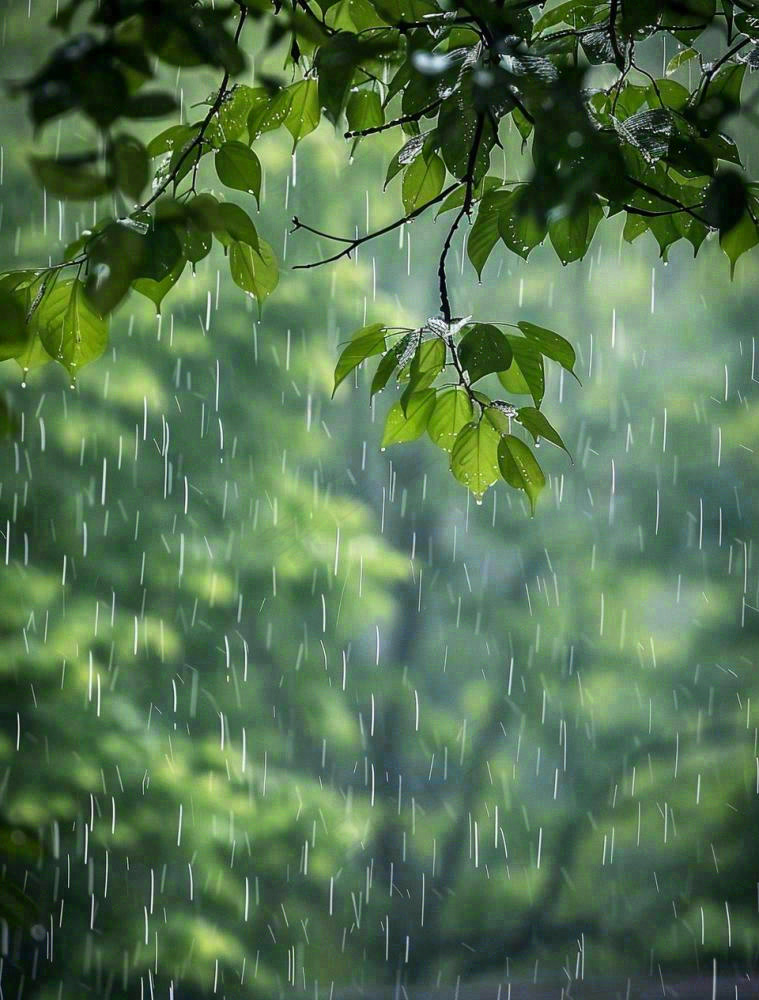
<point>403,426</point>
<point>70,329</point>
<point>256,272</point>
<point>238,167</point>
<point>551,344</point>
<point>156,291</point>
<point>365,343</point>
<point>739,239</point>
<point>517,225</point>
<point>235,224</point>
<point>474,457</point>
<point>519,468</point>
<point>304,111</point>
<point>453,409</point>
<point>572,234</point>
<point>534,421</point>
<point>483,235</point>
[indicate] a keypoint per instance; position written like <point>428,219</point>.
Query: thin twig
<point>403,120</point>
<point>360,240</point>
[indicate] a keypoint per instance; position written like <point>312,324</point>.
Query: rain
<point>287,712</point>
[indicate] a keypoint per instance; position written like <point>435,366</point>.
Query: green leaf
<point>408,426</point>
<point>161,253</point>
<point>232,120</point>
<point>131,165</point>
<point>738,240</point>
<point>474,457</point>
<point>453,409</point>
<point>572,235</point>
<point>426,365</point>
<point>195,242</point>
<point>336,62</point>
<point>156,291</point>
<point>304,111</point>
<point>526,373</point>
<point>422,181</point>
<point>256,272</point>
<point>154,104</point>
<point>70,329</point>
<point>539,426</point>
<point>518,227</point>
<point>680,59</point>
<point>389,363</point>
<point>551,344</point>
<point>483,350</point>
<point>72,177</point>
<point>14,335</point>
<point>520,468</point>
<point>114,259</point>
<point>484,233</point>
<point>238,167</point>
<point>365,343</point>
<point>235,224</point>
<point>364,110</point>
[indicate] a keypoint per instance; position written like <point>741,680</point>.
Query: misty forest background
<point>283,713</point>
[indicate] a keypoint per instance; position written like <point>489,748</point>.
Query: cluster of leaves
<point>602,135</point>
<point>474,429</point>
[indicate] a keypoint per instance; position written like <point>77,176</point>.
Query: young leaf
<point>408,426</point>
<point>238,167</point>
<point>366,342</point>
<point>474,457</point>
<point>483,350</point>
<point>70,329</point>
<point>519,468</point>
<point>453,409</point>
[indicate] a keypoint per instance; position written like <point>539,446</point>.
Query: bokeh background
<point>284,714</point>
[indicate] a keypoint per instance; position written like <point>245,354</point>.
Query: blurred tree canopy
<point>610,121</point>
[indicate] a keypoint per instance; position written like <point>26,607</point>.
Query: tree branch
<point>353,244</point>
<point>403,120</point>
<point>445,305</point>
